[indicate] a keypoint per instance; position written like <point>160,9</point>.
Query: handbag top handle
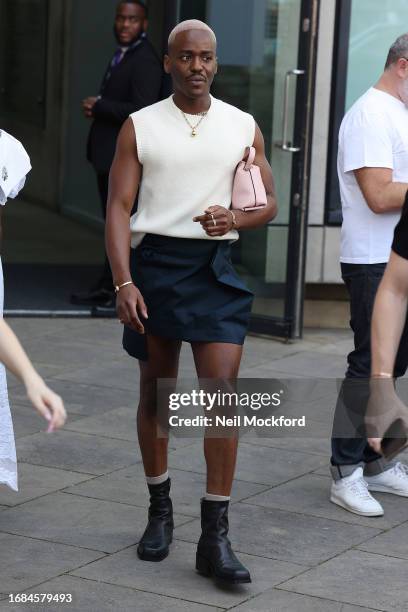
<point>250,158</point>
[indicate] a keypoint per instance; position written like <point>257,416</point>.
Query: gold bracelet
<point>234,220</point>
<point>382,375</point>
<point>119,287</point>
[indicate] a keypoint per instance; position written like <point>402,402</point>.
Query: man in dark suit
<point>133,80</point>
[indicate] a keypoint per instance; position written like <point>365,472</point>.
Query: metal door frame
<point>291,324</point>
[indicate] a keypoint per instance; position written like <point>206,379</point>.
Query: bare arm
<point>260,217</point>
<point>245,220</point>
<point>48,404</point>
<point>380,193</point>
<point>389,315</point>
<point>387,324</point>
<point>124,182</point>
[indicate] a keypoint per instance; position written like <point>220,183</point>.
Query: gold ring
<point>212,218</point>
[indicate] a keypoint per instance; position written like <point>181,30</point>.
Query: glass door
<point>266,59</point>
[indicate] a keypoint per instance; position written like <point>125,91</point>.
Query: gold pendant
<point>193,133</point>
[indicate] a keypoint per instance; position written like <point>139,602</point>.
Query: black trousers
<point>362,281</point>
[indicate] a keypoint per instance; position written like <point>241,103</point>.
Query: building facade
<point>296,65</point>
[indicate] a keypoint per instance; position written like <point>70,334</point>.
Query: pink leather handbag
<point>248,191</point>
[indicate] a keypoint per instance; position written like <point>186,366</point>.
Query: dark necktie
<point>118,57</point>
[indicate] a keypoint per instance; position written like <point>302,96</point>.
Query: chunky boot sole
<point>150,555</point>
<point>205,568</point>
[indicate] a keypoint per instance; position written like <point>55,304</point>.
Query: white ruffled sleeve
<point>14,166</point>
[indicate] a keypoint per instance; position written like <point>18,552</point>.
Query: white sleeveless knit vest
<point>183,175</point>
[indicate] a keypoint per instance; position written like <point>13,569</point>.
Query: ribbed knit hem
<point>216,498</point>
<point>155,480</point>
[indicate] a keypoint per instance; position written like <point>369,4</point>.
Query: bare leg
<point>163,363</point>
<point>214,553</point>
<point>218,360</point>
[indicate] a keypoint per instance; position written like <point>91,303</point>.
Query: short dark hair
<point>138,3</point>
<point>398,49</point>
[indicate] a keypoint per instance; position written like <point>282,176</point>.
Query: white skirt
<point>8,459</point>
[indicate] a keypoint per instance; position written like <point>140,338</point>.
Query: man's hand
<point>217,221</point>
<point>375,444</point>
<point>87,106</point>
<point>130,306</point>
<point>384,408</point>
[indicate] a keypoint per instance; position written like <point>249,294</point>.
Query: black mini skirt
<point>191,290</point>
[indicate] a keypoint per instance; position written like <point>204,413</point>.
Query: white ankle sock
<point>155,480</point>
<point>212,497</point>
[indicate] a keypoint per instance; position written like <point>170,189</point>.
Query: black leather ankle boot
<point>214,553</point>
<point>154,545</point>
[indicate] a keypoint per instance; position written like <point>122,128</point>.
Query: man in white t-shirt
<point>373,176</point>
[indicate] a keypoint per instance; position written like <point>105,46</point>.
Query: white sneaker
<point>351,493</point>
<point>394,480</point>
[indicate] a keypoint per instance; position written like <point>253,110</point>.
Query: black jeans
<point>362,281</point>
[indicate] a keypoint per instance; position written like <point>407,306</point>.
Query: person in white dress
<point>14,167</point>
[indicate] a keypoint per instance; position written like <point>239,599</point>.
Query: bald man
<point>183,152</point>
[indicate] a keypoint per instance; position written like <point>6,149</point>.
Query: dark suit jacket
<point>133,84</point>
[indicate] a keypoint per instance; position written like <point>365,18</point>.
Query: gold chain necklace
<point>194,127</point>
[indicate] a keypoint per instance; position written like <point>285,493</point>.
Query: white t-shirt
<point>373,134</point>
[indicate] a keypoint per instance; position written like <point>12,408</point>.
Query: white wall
<point>323,243</point>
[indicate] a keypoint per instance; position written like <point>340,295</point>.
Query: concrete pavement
<point>74,525</point>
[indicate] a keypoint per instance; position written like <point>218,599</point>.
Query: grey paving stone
<point>68,353</point>
<point>95,596</point>
<point>267,371</point>
<point>258,464</point>
<point>312,364</point>
<point>261,351</point>
<point>393,542</point>
<point>279,534</point>
<point>178,578</point>
<point>31,327</point>
<point>104,332</point>
<point>108,507</point>
<point>315,446</point>
<point>47,371</point>
<point>77,452</point>
<point>78,521</point>
<point>115,375</point>
<point>87,400</point>
<point>27,421</point>
<point>319,337</point>
<point>309,495</point>
<point>36,481</point>
<point>282,601</point>
<point>118,424</point>
<point>25,562</point>
<point>324,470</point>
<point>357,578</point>
<point>129,486</point>
<point>337,347</point>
